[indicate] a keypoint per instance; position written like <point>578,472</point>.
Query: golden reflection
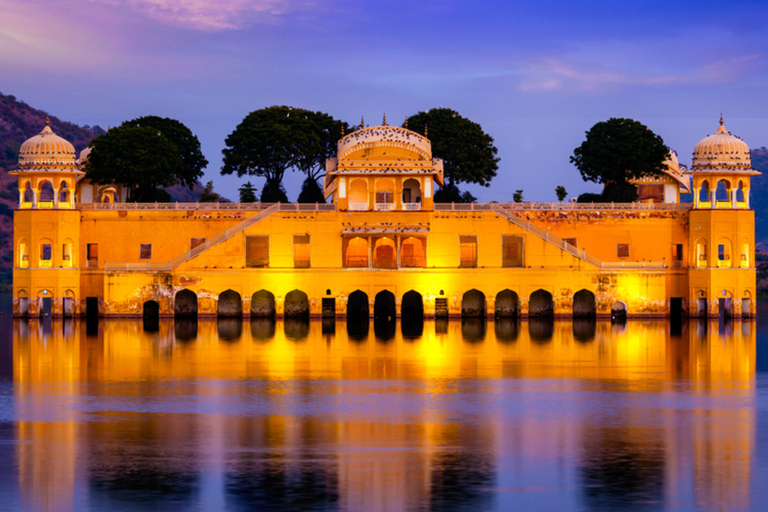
<point>675,399</point>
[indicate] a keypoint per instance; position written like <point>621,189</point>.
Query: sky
<point>535,75</point>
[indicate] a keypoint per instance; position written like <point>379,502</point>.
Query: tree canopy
<point>616,151</point>
<point>146,154</point>
<point>247,193</point>
<point>468,153</point>
<point>273,140</point>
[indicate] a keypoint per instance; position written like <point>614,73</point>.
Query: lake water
<point>264,415</point>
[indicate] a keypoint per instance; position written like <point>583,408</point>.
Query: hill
<point>18,122</point>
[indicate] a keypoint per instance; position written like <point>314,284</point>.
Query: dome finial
<point>362,121</point>
<point>47,120</point>
<point>342,129</point>
<point>384,121</point>
<point>426,131</point>
<point>721,119</point>
<point>406,122</point>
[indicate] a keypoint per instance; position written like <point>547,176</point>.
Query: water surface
<point>293,415</point>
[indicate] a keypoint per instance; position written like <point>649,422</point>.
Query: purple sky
<point>535,75</point>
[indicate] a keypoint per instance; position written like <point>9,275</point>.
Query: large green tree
<point>617,151</point>
<point>147,154</point>
<point>468,153</point>
<point>271,141</point>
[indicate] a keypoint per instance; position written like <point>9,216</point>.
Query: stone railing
<point>522,207</point>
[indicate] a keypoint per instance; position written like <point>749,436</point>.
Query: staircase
<point>546,235</point>
<point>216,240</point>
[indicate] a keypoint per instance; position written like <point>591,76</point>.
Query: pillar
<point>56,197</point>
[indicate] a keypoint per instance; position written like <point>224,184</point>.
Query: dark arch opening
<point>412,306</point>
<point>473,329</point>
<point>507,329</point>
<point>584,304</point>
<point>185,304</point>
<point>151,315</point>
<point>296,304</point>
<point>584,329</point>
<point>541,329</point>
<point>722,192</point>
<point>230,305</point>
<point>412,313</point>
<point>263,304</point>
<point>296,328</point>
<point>704,193</point>
<point>357,306</point>
<point>507,304</point>
<point>263,329</point>
<point>541,305</point>
<point>473,304</point>
<point>384,307</point>
<point>229,328</point>
<point>46,192</point>
<point>185,329</point>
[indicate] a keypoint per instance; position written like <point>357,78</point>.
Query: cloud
<point>212,15</point>
<point>554,74</point>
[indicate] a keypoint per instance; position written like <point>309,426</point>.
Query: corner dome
<point>46,150</point>
<point>721,150</point>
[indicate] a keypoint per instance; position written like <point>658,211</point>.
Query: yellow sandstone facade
<point>382,247</point>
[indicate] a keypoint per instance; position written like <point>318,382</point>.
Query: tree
<point>208,195</point>
<point>561,193</point>
<point>518,196</point>
<point>147,154</point>
<point>273,140</point>
<point>186,142</point>
<point>468,153</point>
<point>140,157</point>
<point>311,192</point>
<point>619,150</point>
<point>247,193</point>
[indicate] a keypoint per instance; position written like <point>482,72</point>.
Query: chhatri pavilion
<point>382,247</point>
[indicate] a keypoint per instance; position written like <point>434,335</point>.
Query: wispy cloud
<point>557,74</point>
<point>212,15</point>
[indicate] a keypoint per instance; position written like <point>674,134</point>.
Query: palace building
<point>382,247</point>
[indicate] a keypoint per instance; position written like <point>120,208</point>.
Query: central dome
<point>721,150</point>
<point>46,150</point>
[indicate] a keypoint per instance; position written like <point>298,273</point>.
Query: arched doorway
<point>411,194</point>
<point>230,305</point>
<point>263,304</point>
<point>151,315</point>
<point>584,304</point>
<point>384,253</point>
<point>473,304</point>
<point>185,304</point>
<point>357,306</point>
<point>507,304</point>
<point>384,307</point>
<point>541,305</point>
<point>412,306</point>
<point>296,304</point>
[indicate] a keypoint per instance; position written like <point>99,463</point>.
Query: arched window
<point>412,252</point>
<point>358,195</point>
<point>724,253</point>
<point>701,253</point>
<point>723,192</point>
<point>64,195</point>
<point>29,196</point>
<point>356,252</point>
<point>46,195</point>
<point>45,256</point>
<point>384,253</point>
<point>66,253</point>
<point>740,192</point>
<point>411,194</point>
<point>23,254</point>
<point>704,194</point>
<point>385,195</point>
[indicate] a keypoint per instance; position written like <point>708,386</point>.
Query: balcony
<point>412,206</point>
<point>358,206</point>
<point>385,207</point>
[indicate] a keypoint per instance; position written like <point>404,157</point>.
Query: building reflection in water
<point>431,415</point>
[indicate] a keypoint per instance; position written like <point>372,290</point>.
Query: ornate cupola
<point>47,171</point>
<point>381,168</point>
<point>721,170</point>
